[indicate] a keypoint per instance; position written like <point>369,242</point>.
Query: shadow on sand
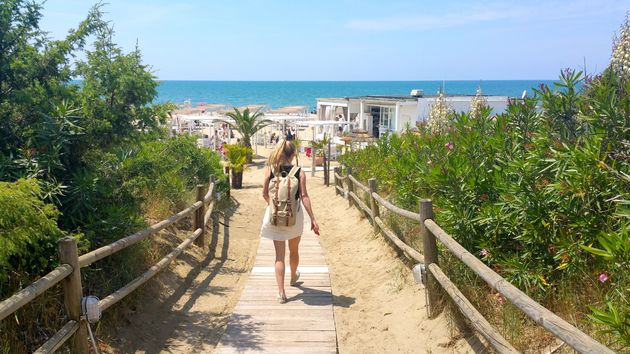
<point>177,320</point>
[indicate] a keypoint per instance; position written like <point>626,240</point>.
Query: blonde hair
<point>282,154</point>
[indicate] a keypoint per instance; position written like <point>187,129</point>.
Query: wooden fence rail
<point>68,273</point>
<point>32,291</point>
<point>430,231</point>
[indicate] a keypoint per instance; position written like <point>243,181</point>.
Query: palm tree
<point>247,124</point>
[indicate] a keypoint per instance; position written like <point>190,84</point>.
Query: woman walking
<point>281,161</point>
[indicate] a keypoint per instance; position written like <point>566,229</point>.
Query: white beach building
<point>380,114</point>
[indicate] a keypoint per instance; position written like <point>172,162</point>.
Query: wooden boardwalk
<point>305,324</point>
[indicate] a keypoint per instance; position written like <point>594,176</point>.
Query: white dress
<point>282,233</point>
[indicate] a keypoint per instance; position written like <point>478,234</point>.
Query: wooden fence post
<point>73,292</point>
<point>313,152</point>
<point>350,185</point>
<point>214,238</point>
<point>328,165</point>
<point>335,173</point>
<point>430,256</point>
<point>375,212</point>
<point>325,158</point>
<point>199,214</point>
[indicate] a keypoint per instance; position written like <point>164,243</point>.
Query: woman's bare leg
<point>280,251</point>
<point>294,255</point>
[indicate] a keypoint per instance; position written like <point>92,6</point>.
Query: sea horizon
<point>279,93</point>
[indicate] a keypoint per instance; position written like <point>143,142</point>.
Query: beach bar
<point>385,113</point>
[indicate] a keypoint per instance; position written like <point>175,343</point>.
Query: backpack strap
<point>294,170</point>
<point>275,200</point>
<point>289,196</point>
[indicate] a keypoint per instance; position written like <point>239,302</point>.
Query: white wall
<point>406,114</point>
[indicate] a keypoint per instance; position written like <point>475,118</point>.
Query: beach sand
<point>378,307</point>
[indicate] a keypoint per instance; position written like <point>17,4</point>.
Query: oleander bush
<point>532,191</point>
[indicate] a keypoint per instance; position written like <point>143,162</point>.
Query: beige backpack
<point>282,189</point>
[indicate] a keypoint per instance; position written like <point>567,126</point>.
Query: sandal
<point>297,276</point>
<point>281,298</point>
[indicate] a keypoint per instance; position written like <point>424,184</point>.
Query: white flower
<point>439,115</point>
<point>477,103</point>
<point>620,59</point>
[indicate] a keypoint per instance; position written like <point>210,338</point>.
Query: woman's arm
<point>306,201</point>
<point>265,191</point>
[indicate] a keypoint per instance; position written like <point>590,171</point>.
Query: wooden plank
<point>292,303</point>
<point>305,324</point>
<point>291,337</point>
<point>285,312</point>
<point>279,348</point>
<point>285,324</point>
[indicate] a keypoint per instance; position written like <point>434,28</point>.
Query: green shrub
<point>169,169</point>
<point>526,190</point>
<point>28,232</point>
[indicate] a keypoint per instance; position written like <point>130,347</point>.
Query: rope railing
<point>434,276</point>
<point>68,273</point>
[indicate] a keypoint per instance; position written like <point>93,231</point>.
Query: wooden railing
<point>69,273</point>
<point>434,276</point>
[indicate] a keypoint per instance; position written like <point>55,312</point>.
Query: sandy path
<point>377,306</point>
<point>200,291</point>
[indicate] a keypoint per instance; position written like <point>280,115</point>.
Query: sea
<point>288,93</point>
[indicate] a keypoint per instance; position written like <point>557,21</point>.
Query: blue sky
<point>357,40</point>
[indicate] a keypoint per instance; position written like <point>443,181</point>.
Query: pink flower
<point>603,277</point>
<point>449,145</point>
<point>484,253</point>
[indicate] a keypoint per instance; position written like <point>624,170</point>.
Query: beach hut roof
<point>289,110</point>
<point>254,107</point>
<point>189,110</point>
<point>199,109</point>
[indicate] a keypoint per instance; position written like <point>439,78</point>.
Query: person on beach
<point>281,159</point>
